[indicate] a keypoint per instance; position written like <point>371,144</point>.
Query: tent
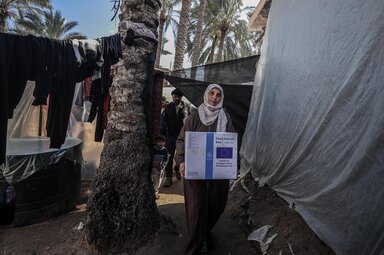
<point>315,126</point>
<point>235,76</point>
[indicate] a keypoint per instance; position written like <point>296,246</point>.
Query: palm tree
<point>199,28</point>
<point>224,32</point>
<point>49,24</point>
<point>122,210</point>
<point>228,20</point>
<point>182,34</point>
<point>166,19</point>
<point>10,10</point>
<point>163,50</point>
<point>213,47</point>
<point>238,43</point>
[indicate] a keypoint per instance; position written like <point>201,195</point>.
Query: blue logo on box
<point>224,152</point>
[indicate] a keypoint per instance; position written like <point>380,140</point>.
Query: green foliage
<point>170,15</point>
<point>163,50</point>
<point>223,18</point>
<point>49,24</point>
<point>12,10</point>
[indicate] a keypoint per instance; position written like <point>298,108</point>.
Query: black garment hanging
<point>61,96</point>
<point>112,51</point>
<point>44,69</point>
<point>15,67</point>
<point>52,64</point>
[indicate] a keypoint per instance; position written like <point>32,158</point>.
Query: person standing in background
<point>172,123</point>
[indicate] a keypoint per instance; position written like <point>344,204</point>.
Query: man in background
<point>173,117</point>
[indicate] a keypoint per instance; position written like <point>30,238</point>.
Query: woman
<point>205,200</point>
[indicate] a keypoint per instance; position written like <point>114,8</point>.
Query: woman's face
<point>214,96</point>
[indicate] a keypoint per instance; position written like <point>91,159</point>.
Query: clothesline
<point>56,66</point>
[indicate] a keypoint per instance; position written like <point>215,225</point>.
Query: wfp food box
<point>210,155</point>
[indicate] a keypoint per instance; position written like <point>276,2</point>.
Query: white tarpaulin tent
<point>315,130</point>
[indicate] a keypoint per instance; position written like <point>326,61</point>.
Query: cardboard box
<point>210,155</point>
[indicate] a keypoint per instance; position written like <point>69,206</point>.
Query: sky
<point>93,16</point>
<point>94,21</point>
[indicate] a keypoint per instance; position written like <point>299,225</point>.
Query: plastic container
<point>7,204</point>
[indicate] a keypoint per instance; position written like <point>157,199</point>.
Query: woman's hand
<point>182,169</point>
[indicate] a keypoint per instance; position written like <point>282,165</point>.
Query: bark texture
<point>182,35</point>
<point>199,29</point>
<point>212,53</point>
<point>163,19</point>
<point>122,211</point>
<point>221,45</point>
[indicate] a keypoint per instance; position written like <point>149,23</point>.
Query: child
<point>160,160</point>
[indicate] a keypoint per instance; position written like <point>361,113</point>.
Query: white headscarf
<point>208,113</point>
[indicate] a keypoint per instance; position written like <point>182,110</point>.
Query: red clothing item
<point>106,108</point>
<point>87,87</point>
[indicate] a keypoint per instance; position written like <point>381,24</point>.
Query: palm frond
<point>51,24</point>
<point>224,17</point>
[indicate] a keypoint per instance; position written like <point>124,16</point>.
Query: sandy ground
<point>228,237</point>
<point>245,212</point>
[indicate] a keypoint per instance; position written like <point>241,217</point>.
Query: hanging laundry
<point>89,57</point>
<point>45,54</point>
<point>56,66</point>
<point>61,95</point>
<point>100,97</point>
<point>15,66</point>
<point>87,87</point>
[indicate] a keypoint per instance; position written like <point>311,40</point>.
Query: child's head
<point>160,141</point>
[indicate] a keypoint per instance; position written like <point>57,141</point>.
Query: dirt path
<point>62,235</point>
<point>228,237</point>
<point>244,213</point>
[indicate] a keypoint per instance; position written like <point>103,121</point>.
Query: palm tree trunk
<point>122,211</point>
<point>182,34</point>
<point>160,38</point>
<point>221,46</point>
<point>212,54</point>
<point>199,29</point>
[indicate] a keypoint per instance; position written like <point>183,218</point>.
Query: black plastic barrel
<point>47,193</point>
<point>7,204</point>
